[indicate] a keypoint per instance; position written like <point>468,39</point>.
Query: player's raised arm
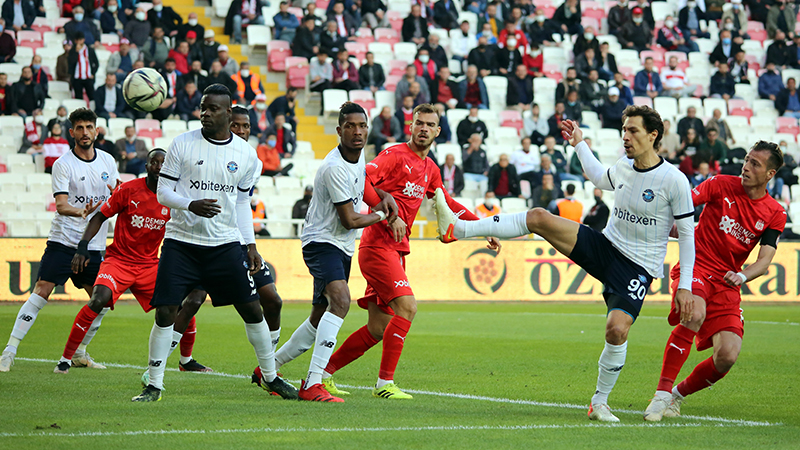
<point>683,211</point>
<point>598,174</point>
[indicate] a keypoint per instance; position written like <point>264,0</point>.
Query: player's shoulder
<point>134,185</point>
<point>104,157</point>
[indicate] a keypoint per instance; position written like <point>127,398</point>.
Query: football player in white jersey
<point>207,180</point>
<point>651,195</point>
<point>83,179</point>
<point>329,242</point>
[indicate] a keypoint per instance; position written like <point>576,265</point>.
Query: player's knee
<point>165,315</point>
<point>98,301</point>
<point>725,358</point>
<point>536,218</point>
<point>194,300</point>
<point>406,309</point>
<point>616,334</point>
<point>43,289</point>
<point>376,330</point>
<point>270,299</point>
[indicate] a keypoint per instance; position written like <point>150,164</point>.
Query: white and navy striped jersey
<point>337,182</point>
<point>646,204</point>
<point>82,180</point>
<point>206,169</point>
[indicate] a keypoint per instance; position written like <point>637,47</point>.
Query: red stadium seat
<point>322,4</point>
<point>397,67</point>
<point>549,11</point>
<point>388,35</point>
<point>787,122</point>
<point>795,130</point>
<point>51,207</point>
<point>552,71</point>
<point>760,35</point>
<point>511,119</point>
<point>277,52</point>
<point>3,168</point>
<point>356,49</point>
<point>542,3</point>
<point>595,11</point>
<point>587,21</point>
<point>148,128</point>
<point>364,36</point>
<point>395,19</point>
<point>744,112</point>
<point>363,98</point>
<point>643,101</point>
<point>3,229</point>
<point>41,24</point>
<point>296,75</point>
<point>32,39</point>
<point>391,82</point>
<point>753,25</point>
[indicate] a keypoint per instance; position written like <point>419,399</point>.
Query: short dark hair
<point>217,89</point>
<point>238,109</point>
<point>426,108</point>
<point>350,108</point>
<point>308,17</point>
<point>169,60</point>
<point>650,119</point>
<point>651,59</point>
<point>775,160</point>
<point>78,35</point>
<point>570,189</point>
<point>82,115</point>
<point>291,89</point>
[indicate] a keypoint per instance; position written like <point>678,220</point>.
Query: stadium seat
<point>513,119</point>
<point>334,99</point>
<point>386,35</point>
<point>643,101</point>
<point>685,102</point>
<point>385,98</point>
<point>41,24</point>
<point>258,35</point>
<point>297,69</point>
<point>405,51</point>
<point>442,150</point>
<point>391,82</point>
<point>762,124</point>
<point>397,67</point>
<point>21,227</point>
<point>710,104</point>
<point>513,205</point>
<point>20,164</point>
<point>173,126</point>
<point>363,98</point>
<point>739,123</point>
<point>395,19</point>
<point>12,184</point>
<point>30,39</point>
<point>666,106</point>
<point>31,203</point>
<point>455,116</point>
<point>73,104</point>
<point>505,136</point>
<point>356,49</point>
<point>381,50</point>
<point>277,52</point>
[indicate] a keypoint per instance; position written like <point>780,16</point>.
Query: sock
<point>302,339</point>
<point>258,335</point>
<point>675,354</point>
<point>176,340</point>
<point>609,366</point>
<point>328,328</point>
<point>25,319</point>
<point>160,339</point>
<point>703,376</point>
<point>83,321</point>
<point>393,339</point>
<point>92,330</point>
<point>352,348</point>
<point>274,338</point>
<point>187,341</point>
<point>500,226</point>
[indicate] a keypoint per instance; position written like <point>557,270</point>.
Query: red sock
<point>703,376</point>
<point>355,346</point>
<point>678,347</point>
<point>187,341</point>
<point>393,339</point>
<point>81,325</point>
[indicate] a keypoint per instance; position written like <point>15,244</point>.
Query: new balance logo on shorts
<point>327,344</point>
<point>25,317</point>
<point>401,283</point>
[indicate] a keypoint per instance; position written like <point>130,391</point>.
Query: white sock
<point>500,226</point>
<point>176,341</point>
<point>676,393</point>
<point>274,338</point>
<point>609,366</point>
<point>381,383</point>
<point>62,359</point>
<point>25,319</point>
<point>160,338</point>
<point>186,359</point>
<point>93,330</point>
<point>302,339</point>
<point>258,335</point>
<point>328,328</point>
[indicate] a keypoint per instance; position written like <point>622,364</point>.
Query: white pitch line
<point>358,430</point>
<point>722,420</point>
<point>760,322</point>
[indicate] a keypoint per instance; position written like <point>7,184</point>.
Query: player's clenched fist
<point>207,207</point>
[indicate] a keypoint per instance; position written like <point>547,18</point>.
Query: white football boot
<point>602,412</point>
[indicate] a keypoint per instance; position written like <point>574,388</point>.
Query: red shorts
<point>385,272</point>
<point>723,307</point>
<point>120,276</point>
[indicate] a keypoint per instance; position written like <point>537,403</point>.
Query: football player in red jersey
<point>405,172</point>
<point>738,215</point>
<point>131,261</point>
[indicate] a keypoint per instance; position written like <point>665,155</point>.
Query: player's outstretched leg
<point>676,353</point>
<point>81,358</point>
<point>727,346</point>
<point>610,364</point>
<point>258,335</point>
<point>394,337</point>
<point>84,322</point>
<point>302,339</point>
<point>25,320</point>
<point>356,345</point>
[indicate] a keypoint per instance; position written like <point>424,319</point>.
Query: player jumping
<point>405,172</point>
<point>81,182</point>
<point>651,194</point>
<point>131,261</point>
<point>329,241</point>
<point>739,214</point>
<point>206,180</point>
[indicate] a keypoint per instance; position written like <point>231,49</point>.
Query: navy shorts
<point>56,266</point>
<point>625,282</point>
<point>326,263</point>
<point>220,271</point>
<point>264,276</point>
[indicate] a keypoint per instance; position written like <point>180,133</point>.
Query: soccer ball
<point>144,89</point>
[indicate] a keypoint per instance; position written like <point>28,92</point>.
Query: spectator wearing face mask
<point>270,157</point>
<point>508,57</point>
<point>259,214</point>
<point>490,206</point>
<point>586,40</point>
<point>671,38</point>
<point>191,25</point>
<point>636,34</point>
<point>81,24</point>
<point>259,118</point>
<point>471,125</point>
<point>137,30</point>
<point>26,96</point>
<point>689,21</point>
<point>286,141</point>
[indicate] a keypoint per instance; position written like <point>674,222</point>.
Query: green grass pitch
<point>483,375</point>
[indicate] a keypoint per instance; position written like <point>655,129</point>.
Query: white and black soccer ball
<point>144,89</point>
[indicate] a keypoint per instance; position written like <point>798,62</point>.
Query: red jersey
<point>140,222</point>
<point>400,172</point>
<point>731,224</point>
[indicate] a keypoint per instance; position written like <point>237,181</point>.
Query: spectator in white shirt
<point>526,161</point>
<point>674,81</point>
<point>462,42</point>
<point>535,126</point>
